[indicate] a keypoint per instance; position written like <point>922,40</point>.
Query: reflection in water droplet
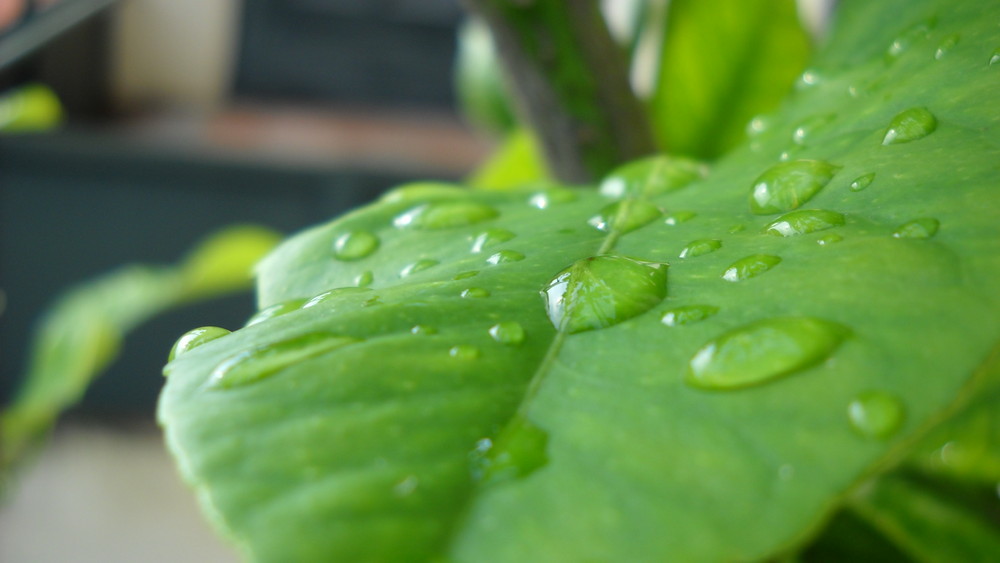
<point>862,182</point>
<point>276,310</point>
<point>505,256</point>
<point>995,57</point>
<point>355,245</point>
<point>466,275</point>
<point>925,227</point>
<point>804,221</point>
<point>626,215</point>
<point>751,266</point>
<point>509,333</point>
<point>364,279</point>
<point>418,266</point>
<point>678,217</point>
<point>946,45</point>
<point>547,198</point>
<point>517,452</point>
<point>263,361</point>
<point>445,215</point>
<point>464,352</point>
<point>423,329</point>
<point>788,185</point>
<point>475,293</point>
<point>490,238</point>
<point>194,338</point>
<point>807,127</point>
<point>333,293</point>
<point>875,414</point>
<point>910,125</point>
<point>602,291</point>
<point>424,191</point>
<point>908,38</point>
<point>829,239</point>
<point>688,314</point>
<point>652,176</point>
<point>700,247</point>
<point>762,351</point>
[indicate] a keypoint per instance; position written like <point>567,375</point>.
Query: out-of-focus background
<point>129,129</point>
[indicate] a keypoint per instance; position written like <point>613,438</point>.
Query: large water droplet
<point>925,227</point>
<point>276,310</point>
<point>445,215</point>
<point>509,333</point>
<point>862,182</point>
<point>807,127</point>
<point>910,125</point>
<point>762,351</point>
<point>875,414</point>
<point>625,215</point>
<point>355,245</point>
<point>263,361</point>
<point>947,44</point>
<point>788,185</point>
<point>475,293</point>
<point>505,256</point>
<point>652,176</point>
<point>602,291</point>
<point>418,191</point>
<point>700,247</point>
<point>194,338</point>
<point>418,266</point>
<point>490,238</point>
<point>804,221</point>
<point>751,266</point>
<point>688,314</point>
<point>547,198</point>
<point>464,352</point>
<point>517,452</point>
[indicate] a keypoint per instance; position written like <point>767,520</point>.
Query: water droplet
<point>466,275</point>
<point>762,351</point>
<point>678,217</point>
<point>194,338</point>
<point>406,487</point>
<point>652,176</point>
<point>602,291</point>
<point>445,215</point>
<point>263,361</point>
<point>736,229</point>
<point>700,247</point>
<point>475,293</point>
<point>505,256</point>
<point>946,45</point>
<point>925,227</point>
<point>751,266</point>
<point>862,182</point>
<point>829,239</point>
<point>464,352</point>
<point>373,302</point>
<point>517,452</point>
<point>333,293</point>
<point>509,333</point>
<point>995,57</point>
<point>355,245</point>
<point>626,215</point>
<point>276,310</point>
<point>364,279</point>
<point>490,238</point>
<point>910,125</point>
<point>423,329</point>
<point>757,125</point>
<point>808,79</point>
<point>809,126</point>
<point>875,414</point>
<point>547,198</point>
<point>804,221</point>
<point>788,185</point>
<point>688,314</point>
<point>908,38</point>
<point>418,266</point>
<point>418,191</point>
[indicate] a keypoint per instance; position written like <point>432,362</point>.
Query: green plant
<point>790,353</point>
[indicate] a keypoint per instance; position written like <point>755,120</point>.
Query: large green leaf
<point>715,366</point>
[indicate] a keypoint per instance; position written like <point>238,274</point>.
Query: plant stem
<point>571,83</point>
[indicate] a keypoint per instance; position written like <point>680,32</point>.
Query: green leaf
<point>417,433</point>
<point>515,164</point>
<point>722,63</point>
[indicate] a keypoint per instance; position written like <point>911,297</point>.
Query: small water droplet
<point>547,198</point>
<point>788,185</point>
<point>995,57</point>
<point>490,238</point>
<point>263,361</point>
<point>475,293</point>
<point>700,247</point>
<point>406,487</point>
<point>925,227</point>
<point>373,302</point>
<point>809,126</point>
<point>804,221</point>
<point>910,125</point>
<point>418,191</point>
<point>736,229</point>
<point>364,279</point>
<point>829,239</point>
<point>678,217</point>
<point>757,125</point>
<point>862,182</point>
<point>509,333</point>
<point>602,291</point>
<point>418,266</point>
<point>355,245</point>
<point>751,266</point>
<point>505,256</point>
<point>688,314</point>
<point>333,293</point>
<point>808,79</point>
<point>423,329</point>
<point>626,215</point>
<point>762,351</point>
<point>517,452</point>
<point>276,310</point>
<point>946,45</point>
<point>652,176</point>
<point>464,352</point>
<point>875,414</point>
<point>194,338</point>
<point>445,215</point>
<point>907,39</point>
<point>466,275</point>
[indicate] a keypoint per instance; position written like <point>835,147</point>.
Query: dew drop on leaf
<point>333,293</point>
<point>466,275</point>
<point>907,39</point>
<point>364,279</point>
<point>946,45</point>
<point>602,291</point>
<point>808,79</point>
<point>804,221</point>
<point>925,227</point>
<point>757,125</point>
<point>688,314</point>
<point>652,176</point>
<point>829,239</point>
<point>263,361</point>
<point>475,293</point>
<point>809,126</point>
<point>875,414</point>
<point>678,217</point>
<point>490,238</point>
<point>517,452</point>
<point>509,333</point>
<point>418,266</point>
<point>464,352</point>
<point>505,256</point>
<point>700,247</point>
<point>355,245</point>
<point>445,215</point>
<point>762,351</point>
<point>862,182</point>
<point>547,198</point>
<point>194,338</point>
<point>788,185</point>
<point>626,215</point>
<point>995,57</point>
<point>276,310</point>
<point>750,266</point>
<point>910,125</point>
<point>423,329</point>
